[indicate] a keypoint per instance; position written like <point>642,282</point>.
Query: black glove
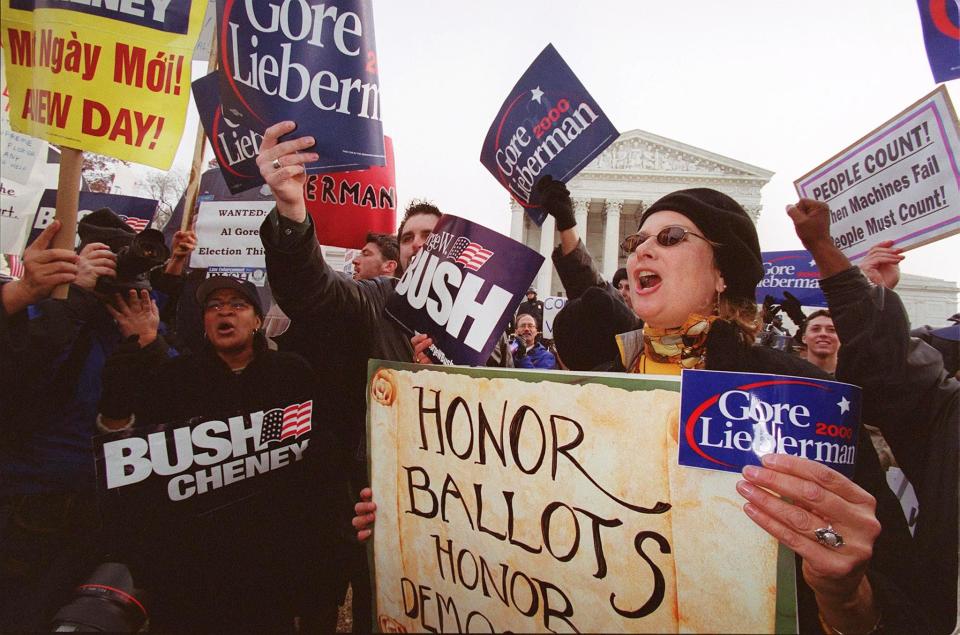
<point>792,307</point>
<point>769,309</point>
<point>555,199</point>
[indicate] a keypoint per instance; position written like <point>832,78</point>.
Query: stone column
<point>545,277</point>
<point>581,208</point>
<point>516,220</point>
<point>611,239</point>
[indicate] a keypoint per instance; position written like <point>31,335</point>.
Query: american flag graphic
<point>280,423</point>
<point>471,255</point>
<point>136,224</point>
<point>16,267</point>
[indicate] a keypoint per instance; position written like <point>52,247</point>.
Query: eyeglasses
<point>236,305</point>
<point>667,237</point>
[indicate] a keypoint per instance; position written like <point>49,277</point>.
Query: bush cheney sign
<point>136,212</point>
<point>235,145</point>
<point>793,271</point>
<point>548,125</point>
<point>205,465</point>
<point>729,420</point>
<point>460,289</point>
<point>311,62</point>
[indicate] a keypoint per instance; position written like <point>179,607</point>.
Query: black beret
<point>585,329</point>
<point>724,221</point>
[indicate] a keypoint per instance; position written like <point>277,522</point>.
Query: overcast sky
<point>781,85</point>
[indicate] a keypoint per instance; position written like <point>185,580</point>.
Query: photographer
<point>527,351</point>
<point>49,532</point>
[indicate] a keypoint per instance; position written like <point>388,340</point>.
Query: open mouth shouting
<point>647,281</point>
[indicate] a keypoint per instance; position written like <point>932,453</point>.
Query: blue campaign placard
<point>549,124</point>
<point>941,35</point>
<point>136,212</point>
<point>461,288</point>
<point>794,271</point>
<point>729,420</point>
<point>311,62</point>
<point>234,144</point>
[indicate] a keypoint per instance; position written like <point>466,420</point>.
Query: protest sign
<point>551,306</point>
<point>901,182</point>
<point>311,62</point>
<point>549,124</point>
<point>228,234</point>
<point>203,465</point>
<point>134,211</point>
<point>347,205</point>
<point>234,145</point>
<point>464,270</point>
<point>794,271</point>
<point>511,501</point>
<point>112,77</point>
<point>729,420</point>
<point>940,20</point>
<point>18,152</point>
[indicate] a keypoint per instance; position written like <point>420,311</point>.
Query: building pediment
<point>640,152</point>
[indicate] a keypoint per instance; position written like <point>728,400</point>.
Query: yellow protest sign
<point>538,501</point>
<point>111,77</point>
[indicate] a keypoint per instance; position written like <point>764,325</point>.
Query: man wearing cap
<point>228,568</point>
<point>531,306</point>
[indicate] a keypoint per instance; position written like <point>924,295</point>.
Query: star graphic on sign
<point>813,263</point>
<point>844,405</point>
<point>536,94</point>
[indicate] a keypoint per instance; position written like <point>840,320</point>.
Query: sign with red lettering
<point>347,205</point>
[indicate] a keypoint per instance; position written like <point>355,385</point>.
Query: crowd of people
<point>137,344</point>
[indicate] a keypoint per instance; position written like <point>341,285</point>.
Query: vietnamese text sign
<point>347,205</point>
<point>136,212</point>
<point>729,420</point>
<point>551,306</point>
<point>228,234</point>
<point>549,124</point>
<point>794,271</point>
<point>234,145</point>
<point>108,77</point>
<point>901,182</point>
<point>940,20</point>
<point>511,500</point>
<point>460,289</point>
<point>311,62</point>
<point>192,469</point>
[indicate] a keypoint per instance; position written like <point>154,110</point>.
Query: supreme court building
<point>611,193</point>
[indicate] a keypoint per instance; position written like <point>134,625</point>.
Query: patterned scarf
<point>684,345</point>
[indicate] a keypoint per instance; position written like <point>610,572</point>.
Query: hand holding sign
<point>281,165</point>
<point>44,269</point>
<point>821,498</point>
<point>366,515</point>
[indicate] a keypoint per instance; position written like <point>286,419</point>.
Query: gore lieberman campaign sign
<point>311,62</point>
<point>729,420</point>
<point>109,77</point>
<point>134,211</point>
<point>234,145</point>
<point>941,35</point>
<point>901,182</point>
<point>549,124</point>
<point>793,271</point>
<point>461,288</point>
<point>347,205</point>
<point>195,468</point>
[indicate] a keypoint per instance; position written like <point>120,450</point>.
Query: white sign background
<point>228,234</point>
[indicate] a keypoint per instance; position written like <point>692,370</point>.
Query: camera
<point>135,261</point>
<point>106,603</point>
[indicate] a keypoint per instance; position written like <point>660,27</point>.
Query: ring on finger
<point>276,164</point>
<point>828,536</point>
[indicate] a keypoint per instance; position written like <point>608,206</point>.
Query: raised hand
<point>137,314</point>
<point>96,259</point>
<point>281,165</point>
<point>881,265</point>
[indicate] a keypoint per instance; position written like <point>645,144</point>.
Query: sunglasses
<point>667,237</point>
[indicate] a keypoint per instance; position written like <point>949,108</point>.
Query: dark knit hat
<point>243,287</point>
<point>724,221</point>
<point>585,329</point>
<point>104,226</point>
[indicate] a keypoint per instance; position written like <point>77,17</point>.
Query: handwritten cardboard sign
<point>311,62</point>
<point>347,205</point>
<point>550,501</point>
<point>109,77</point>
<point>901,182</point>
<point>730,420</point>
<point>461,289</point>
<point>549,124</point>
<point>794,271</point>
